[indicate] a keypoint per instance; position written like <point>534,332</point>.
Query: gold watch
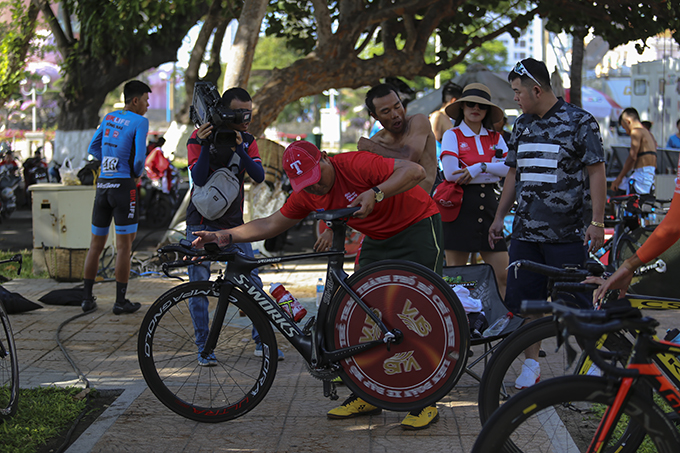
<point>379,194</point>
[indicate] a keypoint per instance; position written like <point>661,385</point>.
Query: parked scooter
<point>9,182</point>
<point>158,191</point>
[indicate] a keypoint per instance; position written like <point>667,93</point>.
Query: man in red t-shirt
<point>398,217</point>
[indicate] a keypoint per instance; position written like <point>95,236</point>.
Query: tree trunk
<point>197,54</point>
<point>576,72</point>
<point>243,49</point>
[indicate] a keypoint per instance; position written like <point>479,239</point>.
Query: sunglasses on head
<point>521,70</point>
<point>472,105</point>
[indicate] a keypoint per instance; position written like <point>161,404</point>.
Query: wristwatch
<point>483,167</point>
<point>379,194</point>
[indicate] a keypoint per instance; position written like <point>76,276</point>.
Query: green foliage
<point>9,271</point>
<point>617,22</point>
<point>43,413</point>
<point>113,28</point>
<point>14,44</point>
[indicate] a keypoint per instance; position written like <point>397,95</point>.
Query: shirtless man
<point>439,120</point>
<point>403,137</point>
<point>641,159</point>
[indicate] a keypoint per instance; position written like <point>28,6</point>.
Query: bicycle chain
<point>323,374</point>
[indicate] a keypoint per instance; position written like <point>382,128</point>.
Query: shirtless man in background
<point>403,137</point>
<point>641,159</point>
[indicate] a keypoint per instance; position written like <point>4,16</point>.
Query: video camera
<point>207,107</point>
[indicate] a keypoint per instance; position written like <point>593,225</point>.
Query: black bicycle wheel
<point>425,366</point>
<point>159,212</point>
<point>9,368</point>
<point>563,414</point>
<point>624,250</point>
<point>168,356</point>
<point>498,381</point>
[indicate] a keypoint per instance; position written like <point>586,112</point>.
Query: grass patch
<point>43,414</point>
<point>8,271</point>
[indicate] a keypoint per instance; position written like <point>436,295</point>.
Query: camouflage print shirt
<point>551,155</point>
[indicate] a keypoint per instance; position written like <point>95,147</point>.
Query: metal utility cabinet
<point>62,219</point>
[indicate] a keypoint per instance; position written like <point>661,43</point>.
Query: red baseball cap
<point>301,164</point>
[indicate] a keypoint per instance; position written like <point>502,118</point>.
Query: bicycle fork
<point>218,319</point>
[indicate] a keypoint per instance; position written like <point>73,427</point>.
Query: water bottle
<point>673,335</point>
<point>319,292</point>
<point>289,303</point>
<point>497,327</point>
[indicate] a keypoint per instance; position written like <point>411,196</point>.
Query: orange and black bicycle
<point>580,413</point>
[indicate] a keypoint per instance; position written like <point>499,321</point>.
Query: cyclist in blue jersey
<point>120,145</point>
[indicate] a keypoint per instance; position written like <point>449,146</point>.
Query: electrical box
<point>62,219</point>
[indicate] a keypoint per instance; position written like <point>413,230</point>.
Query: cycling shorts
<point>115,199</point>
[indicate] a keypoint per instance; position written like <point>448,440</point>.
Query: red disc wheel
<point>408,297</point>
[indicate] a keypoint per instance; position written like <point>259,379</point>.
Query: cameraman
<point>205,157</point>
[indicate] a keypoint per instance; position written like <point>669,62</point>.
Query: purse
<point>218,193</point>
<point>449,197</point>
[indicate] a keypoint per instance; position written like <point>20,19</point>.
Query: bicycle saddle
<point>333,214</point>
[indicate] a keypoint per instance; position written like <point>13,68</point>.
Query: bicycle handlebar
<point>18,258</point>
<point>591,325</point>
<point>573,287</point>
<point>564,274</point>
<point>212,252</point>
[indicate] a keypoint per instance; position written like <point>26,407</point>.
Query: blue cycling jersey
<point>120,145</point>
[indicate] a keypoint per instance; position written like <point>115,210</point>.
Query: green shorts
<point>420,243</point>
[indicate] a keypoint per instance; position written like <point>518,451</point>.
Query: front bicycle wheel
<point>421,369</point>
<point>505,366</point>
<point>168,356</point>
<point>563,414</point>
<point>9,368</point>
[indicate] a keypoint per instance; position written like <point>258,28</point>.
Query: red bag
<point>449,197</point>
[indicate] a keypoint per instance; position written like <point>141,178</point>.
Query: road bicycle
<point>632,224</point>
<point>9,364</point>
<point>394,332</point>
<point>593,414</point>
<point>498,380</point>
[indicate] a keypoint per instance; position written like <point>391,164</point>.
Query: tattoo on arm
<point>223,241</point>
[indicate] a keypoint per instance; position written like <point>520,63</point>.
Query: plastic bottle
<point>319,292</point>
<point>497,327</point>
<point>673,335</point>
<point>289,303</point>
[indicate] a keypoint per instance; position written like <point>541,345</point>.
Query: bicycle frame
<point>309,340</point>
<point>649,373</point>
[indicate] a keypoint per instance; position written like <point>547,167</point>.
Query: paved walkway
<point>292,417</point>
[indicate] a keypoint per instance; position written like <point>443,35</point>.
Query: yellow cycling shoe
<point>353,407</point>
<point>420,419</point>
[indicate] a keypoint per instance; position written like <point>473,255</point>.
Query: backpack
<point>218,193</point>
<point>89,173</point>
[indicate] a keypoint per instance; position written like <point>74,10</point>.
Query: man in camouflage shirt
<point>557,177</point>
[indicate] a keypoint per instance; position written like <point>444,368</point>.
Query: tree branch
<point>63,44</point>
<point>367,41</point>
<point>324,30</point>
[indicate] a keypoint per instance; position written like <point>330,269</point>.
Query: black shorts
<point>115,199</point>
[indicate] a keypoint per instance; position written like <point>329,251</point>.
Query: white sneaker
<point>531,374</point>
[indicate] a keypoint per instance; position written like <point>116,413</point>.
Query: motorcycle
<point>9,182</point>
<point>158,192</point>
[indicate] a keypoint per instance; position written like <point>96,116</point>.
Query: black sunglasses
<point>472,105</point>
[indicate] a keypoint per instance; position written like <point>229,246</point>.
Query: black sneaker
<point>89,304</point>
<point>126,307</point>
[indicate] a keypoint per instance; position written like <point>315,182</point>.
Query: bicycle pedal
<point>307,329</point>
<point>330,390</point>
